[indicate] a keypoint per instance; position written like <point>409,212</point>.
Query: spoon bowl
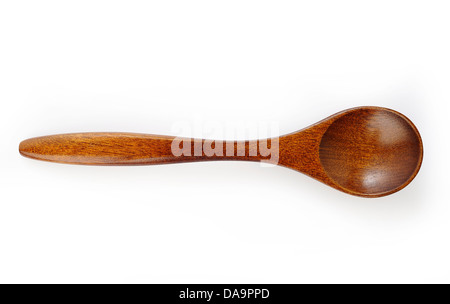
<point>365,151</point>
<point>371,152</point>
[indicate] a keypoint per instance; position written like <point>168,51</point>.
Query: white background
<point>143,66</point>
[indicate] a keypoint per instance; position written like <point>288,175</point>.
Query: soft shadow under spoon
<point>365,151</point>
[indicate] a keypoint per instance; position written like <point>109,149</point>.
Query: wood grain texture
<point>365,151</point>
<point>123,149</point>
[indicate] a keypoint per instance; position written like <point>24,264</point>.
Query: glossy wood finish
<point>125,149</point>
<point>365,151</point>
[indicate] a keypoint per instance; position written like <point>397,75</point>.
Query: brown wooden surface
<point>366,151</point>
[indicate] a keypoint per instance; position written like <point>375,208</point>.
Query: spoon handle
<point>135,149</point>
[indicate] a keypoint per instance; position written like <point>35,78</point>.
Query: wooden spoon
<point>365,151</point>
